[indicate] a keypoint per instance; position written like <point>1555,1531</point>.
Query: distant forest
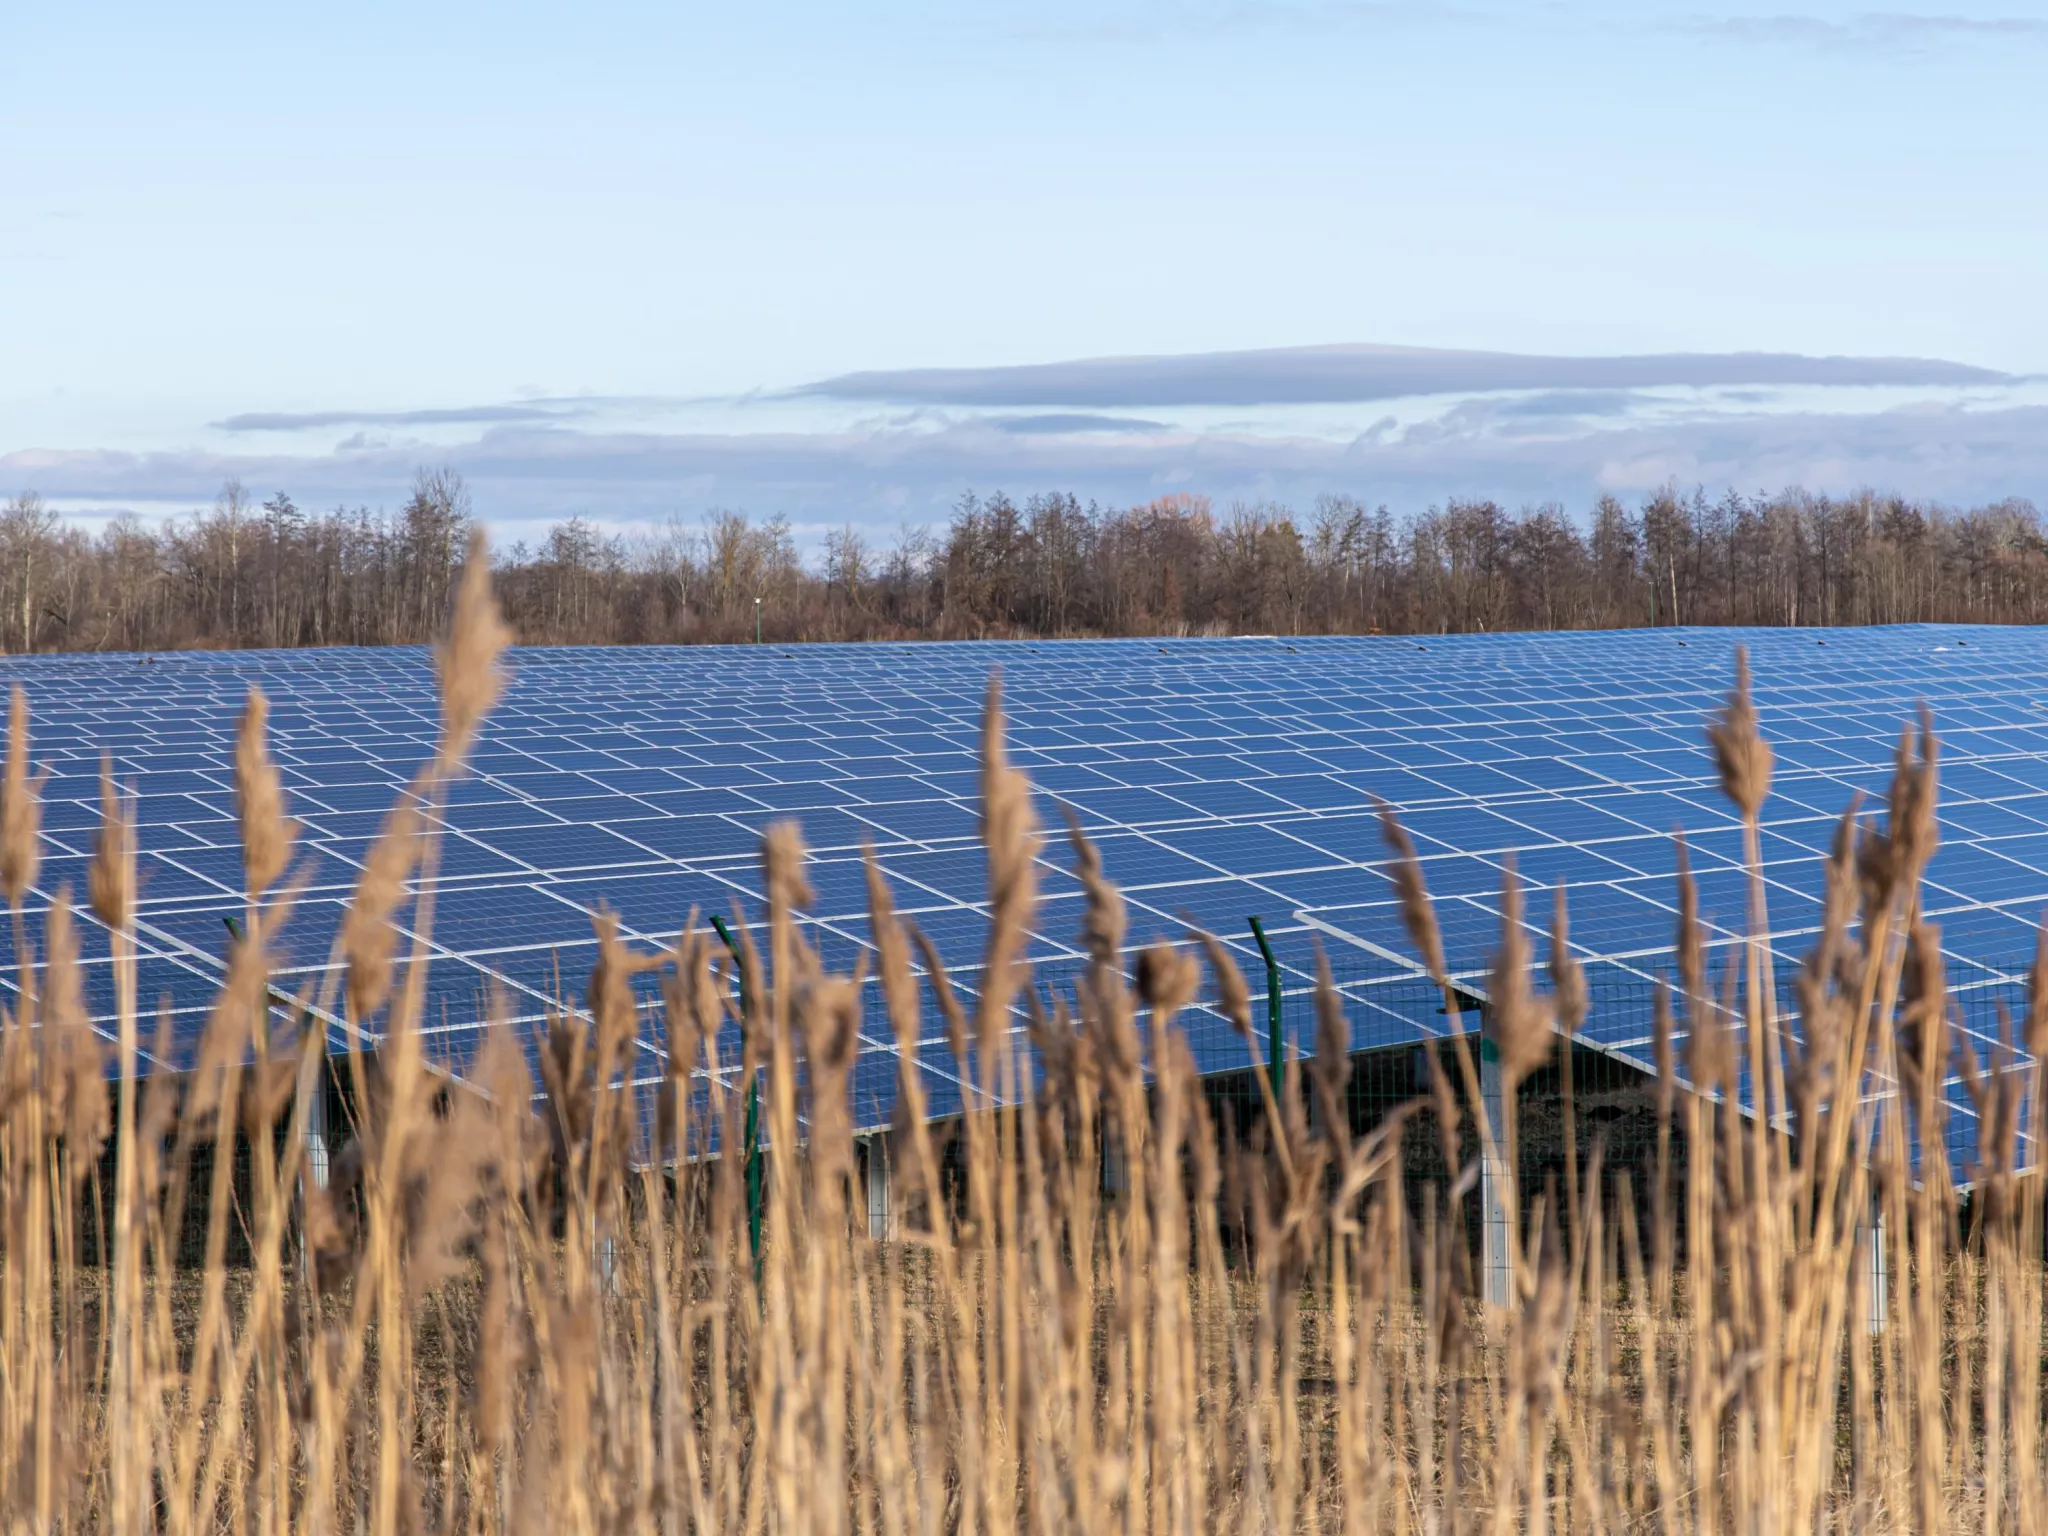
<point>249,573</point>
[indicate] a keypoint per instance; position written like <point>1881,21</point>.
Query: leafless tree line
<point>243,573</point>
<point>236,574</point>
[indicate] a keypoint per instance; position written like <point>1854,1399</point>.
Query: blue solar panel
<point>1221,778</point>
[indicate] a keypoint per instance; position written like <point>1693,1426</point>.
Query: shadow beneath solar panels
<point>1609,1130</point>
<point>193,1165</point>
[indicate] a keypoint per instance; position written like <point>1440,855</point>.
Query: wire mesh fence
<point>1588,1114</point>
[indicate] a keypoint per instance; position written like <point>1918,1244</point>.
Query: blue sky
<point>615,242</point>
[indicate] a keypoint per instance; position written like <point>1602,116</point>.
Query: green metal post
<point>753,1131</point>
<point>1275,1068</point>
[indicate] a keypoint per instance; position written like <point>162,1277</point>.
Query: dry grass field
<point>513,1309</point>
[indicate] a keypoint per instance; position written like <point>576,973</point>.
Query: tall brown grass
<point>522,1305</point>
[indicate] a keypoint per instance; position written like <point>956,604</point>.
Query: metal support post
<point>316,1123</point>
<point>316,1107</point>
<point>752,1133</point>
<point>879,1227</point>
<point>1877,1276</point>
<point>1275,1041</point>
<point>1496,1200</point>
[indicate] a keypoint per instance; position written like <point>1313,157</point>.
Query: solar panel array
<point>1220,779</point>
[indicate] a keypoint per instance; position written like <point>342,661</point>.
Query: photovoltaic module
<point>1220,779</point>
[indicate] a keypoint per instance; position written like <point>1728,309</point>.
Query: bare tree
<point>846,564</point>
<point>283,524</point>
<point>27,529</point>
<point>436,520</point>
<point>231,508</point>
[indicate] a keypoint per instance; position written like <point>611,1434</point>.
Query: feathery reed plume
<point>21,853</point>
<point>1330,1070</point>
<point>1009,833</point>
<point>110,879</point>
<point>328,1226</point>
<point>570,1083</point>
<point>467,662</point>
<point>789,894</point>
<point>74,1062</point>
<point>1890,862</point>
<point>1233,997</point>
<point>951,1011</point>
<point>1834,957</point>
<point>1923,1014</point>
<point>259,798</point>
<point>1103,920</point>
<point>367,936</point>
<point>1567,975</point>
<point>1741,755</point>
<point>1519,1020</point>
<point>232,1026</point>
<point>827,1015</point>
<point>1710,1052</point>
<point>782,866</point>
<point>1417,912</point>
<point>1915,831</point>
<point>693,1006</point>
<point>1828,987</point>
<point>271,1083</point>
<point>444,1178</point>
<point>1105,1002</point>
<point>1167,981</point>
<point>892,949</point>
<point>613,1008</point>
<point>501,1074</point>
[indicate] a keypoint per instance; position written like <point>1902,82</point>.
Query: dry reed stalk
<point>110,878</point>
<point>28,1410</point>
<point>1418,915</point>
<point>1167,983</point>
<point>1521,1023</point>
<point>1523,1032</point>
<point>1569,1001</point>
<point>111,881</point>
<point>1010,840</point>
<point>899,997</point>
<point>1234,1002</point>
<point>777,1372</point>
